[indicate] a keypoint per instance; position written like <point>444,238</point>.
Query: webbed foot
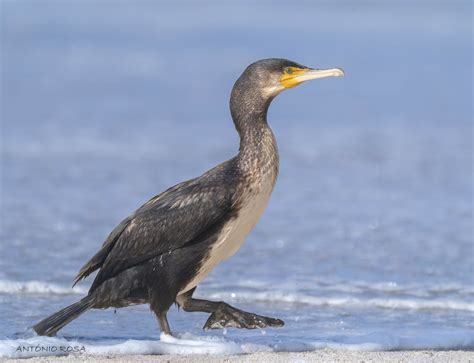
<point>226,316</point>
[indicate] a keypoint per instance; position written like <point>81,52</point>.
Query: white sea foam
<point>281,296</point>
<point>386,303</point>
<point>187,344</point>
<point>38,287</point>
<point>191,344</point>
<point>360,286</point>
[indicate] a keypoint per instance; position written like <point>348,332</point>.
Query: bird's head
<point>262,81</point>
<point>272,76</point>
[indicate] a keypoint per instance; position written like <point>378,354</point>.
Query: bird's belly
<point>232,236</point>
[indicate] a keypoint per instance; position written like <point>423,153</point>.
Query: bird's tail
<point>52,324</point>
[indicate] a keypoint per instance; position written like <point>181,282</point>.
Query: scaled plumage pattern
<point>160,253</point>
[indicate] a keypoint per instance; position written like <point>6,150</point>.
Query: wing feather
<point>166,222</point>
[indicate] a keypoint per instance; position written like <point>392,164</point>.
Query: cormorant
<point>160,253</point>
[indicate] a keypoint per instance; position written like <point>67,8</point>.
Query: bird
<point>161,252</point>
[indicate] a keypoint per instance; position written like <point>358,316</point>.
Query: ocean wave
<point>282,296</point>
<point>50,346</point>
<point>37,288</point>
<point>357,287</point>
<point>391,287</point>
<point>190,344</point>
<point>385,303</point>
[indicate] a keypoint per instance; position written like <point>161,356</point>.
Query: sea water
<point>367,241</point>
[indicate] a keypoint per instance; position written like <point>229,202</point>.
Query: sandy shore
<point>323,355</point>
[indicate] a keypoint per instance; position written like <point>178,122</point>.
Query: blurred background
<point>368,237</point>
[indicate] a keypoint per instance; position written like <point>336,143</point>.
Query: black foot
<point>227,316</point>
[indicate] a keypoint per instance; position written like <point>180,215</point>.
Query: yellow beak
<point>299,75</point>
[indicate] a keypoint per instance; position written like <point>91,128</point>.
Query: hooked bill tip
<point>339,72</point>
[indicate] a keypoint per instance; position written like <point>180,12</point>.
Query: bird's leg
<point>223,315</point>
<point>163,321</point>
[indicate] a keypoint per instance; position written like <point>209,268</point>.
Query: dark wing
<point>165,223</point>
<point>95,262</point>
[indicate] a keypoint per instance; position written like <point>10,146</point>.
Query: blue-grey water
<point>368,239</point>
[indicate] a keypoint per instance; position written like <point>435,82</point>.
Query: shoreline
<point>321,355</point>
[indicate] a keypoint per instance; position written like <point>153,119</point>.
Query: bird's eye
<point>288,70</point>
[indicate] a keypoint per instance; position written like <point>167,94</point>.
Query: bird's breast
<point>252,204</point>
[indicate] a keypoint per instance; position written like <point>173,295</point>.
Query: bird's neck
<point>258,152</point>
